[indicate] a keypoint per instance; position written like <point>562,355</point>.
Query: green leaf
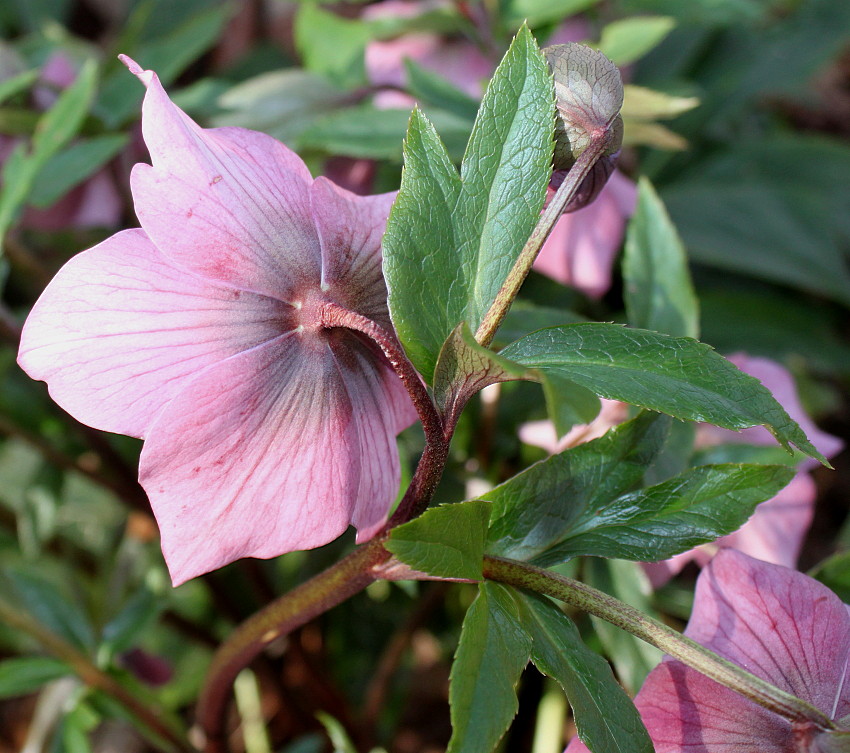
<point>139,614</point>
<point>631,38</point>
<point>73,165</point>
<point>446,541</point>
<point>46,603</point>
<point>429,88</point>
<point>62,121</point>
<point>451,240</point>
<point>332,45</point>
<point>282,103</point>
<point>659,294</point>
<point>568,403</point>
<point>336,732</point>
<point>464,367</point>
<point>718,219</point>
<point>493,650</point>
<point>538,12</point>
<point>834,572</point>
<point>533,511</point>
<point>17,83</point>
<point>675,375</point>
<point>168,54</point>
<point>26,674</point>
<point>524,317</point>
<point>606,719</point>
<point>366,132</point>
<point>696,507</point>
<point>640,103</point>
<point>632,658</point>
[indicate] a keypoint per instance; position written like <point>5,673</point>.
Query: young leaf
<point>26,674</point>
<point>675,375</point>
<point>451,240</point>
<point>533,511</point>
<point>493,650</point>
<point>631,38</point>
<point>332,45</point>
<point>464,367</point>
<point>658,292</point>
<point>606,719</point>
<point>698,506</point>
<point>446,541</point>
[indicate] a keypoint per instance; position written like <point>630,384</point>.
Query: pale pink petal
<point>350,228</point>
<point>272,450</point>
<point>580,251</point>
<point>542,433</point>
<point>778,623</point>
<point>228,203</point>
<point>775,622</point>
<point>120,329</point>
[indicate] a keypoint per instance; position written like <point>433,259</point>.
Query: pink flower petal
<point>274,449</point>
<point>350,229</point>
<point>228,203</point>
<point>580,251</point>
<point>775,622</point>
<point>120,330</point>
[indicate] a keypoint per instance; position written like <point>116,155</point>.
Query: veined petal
<point>780,624</point>
<point>229,203</point>
<point>120,329</point>
<point>275,449</point>
<point>350,229</point>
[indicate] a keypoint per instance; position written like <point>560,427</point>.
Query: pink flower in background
<point>776,529</point>
<point>581,250</point>
<point>778,624</point>
<point>264,433</point>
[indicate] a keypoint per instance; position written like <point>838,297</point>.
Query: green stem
<point>162,724</point>
<point>505,297</point>
<point>655,633</point>
<point>292,610</point>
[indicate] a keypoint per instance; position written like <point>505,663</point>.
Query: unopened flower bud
<point>588,97</point>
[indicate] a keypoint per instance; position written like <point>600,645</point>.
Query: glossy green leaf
<point>568,403</point>
<point>445,541</point>
<point>452,239</point>
<point>73,165</point>
<point>524,317</point>
<point>606,719</point>
<point>533,511</point>
<point>700,505</point>
<point>659,294</point>
<point>675,375</point>
<point>629,39</point>
<point>493,650</point>
<point>25,674</point>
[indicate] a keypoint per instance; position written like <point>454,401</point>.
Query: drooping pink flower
<point>776,623</point>
<point>199,332</point>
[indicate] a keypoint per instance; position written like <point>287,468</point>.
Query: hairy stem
<point>505,297</point>
<point>163,725</point>
<point>655,633</point>
<point>292,610</point>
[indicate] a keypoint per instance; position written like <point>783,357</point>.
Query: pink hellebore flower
<point>200,332</point>
<point>774,622</point>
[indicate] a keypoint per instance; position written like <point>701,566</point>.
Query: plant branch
<point>292,610</point>
<point>161,723</point>
<point>655,633</point>
<point>513,282</point>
